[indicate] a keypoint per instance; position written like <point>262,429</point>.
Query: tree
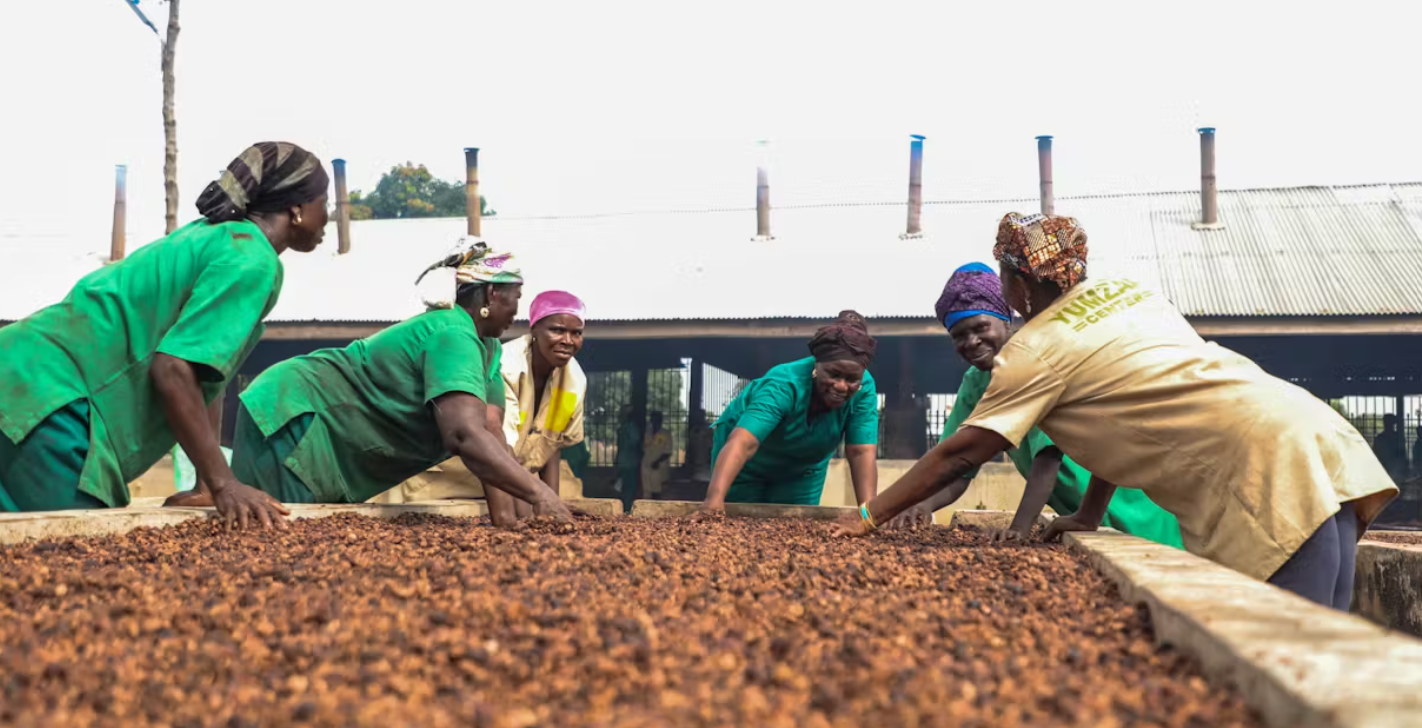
<point>409,191</point>
<point>170,121</point>
<point>169,48</point>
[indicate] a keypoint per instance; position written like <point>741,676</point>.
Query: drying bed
<point>434,621</point>
<point>1406,538</point>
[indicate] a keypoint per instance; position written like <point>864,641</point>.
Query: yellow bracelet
<point>864,513</point>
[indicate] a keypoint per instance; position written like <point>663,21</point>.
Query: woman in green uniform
<point>344,425</point>
<point>774,442</point>
<point>976,316</point>
<point>99,386</point>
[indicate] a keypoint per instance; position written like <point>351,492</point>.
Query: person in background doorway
<point>1390,448</point>
<point>1417,451</point>
<point>629,457</point>
<point>698,446</point>
<point>656,457</point>
<point>344,425</point>
<point>774,442</point>
<point>544,390</point>
<point>1263,477</point>
<point>976,316</point>
<point>101,385</point>
<point>578,457</point>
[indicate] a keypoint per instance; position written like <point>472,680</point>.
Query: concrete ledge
<point>1388,586</point>
<point>19,527</point>
<point>1299,664</point>
<point>678,509</point>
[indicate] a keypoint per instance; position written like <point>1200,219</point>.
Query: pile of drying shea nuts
<point>429,621</point>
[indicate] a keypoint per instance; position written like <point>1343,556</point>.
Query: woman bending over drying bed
<point>1263,477</point>
<point>542,410</point>
<point>344,425</point>
<point>774,441</point>
<point>976,316</point>
<point>99,386</point>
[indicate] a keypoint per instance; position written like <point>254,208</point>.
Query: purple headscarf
<point>973,290</point>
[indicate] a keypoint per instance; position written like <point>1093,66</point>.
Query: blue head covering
<point>973,290</point>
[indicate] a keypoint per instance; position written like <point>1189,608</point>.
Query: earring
<point>814,374</point>
<point>1028,304</point>
<point>484,312</point>
<point>298,218</point>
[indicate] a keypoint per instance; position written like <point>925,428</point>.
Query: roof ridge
<point>904,203</point>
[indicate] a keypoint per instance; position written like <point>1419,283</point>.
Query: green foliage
<point>409,191</point>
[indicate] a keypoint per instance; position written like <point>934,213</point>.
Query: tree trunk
<point>170,123</point>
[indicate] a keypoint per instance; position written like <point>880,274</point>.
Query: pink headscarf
<point>552,303</point>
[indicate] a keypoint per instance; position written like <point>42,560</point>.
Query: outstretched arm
<point>944,464</point>
<point>503,508</point>
<point>922,514</point>
<point>1089,516</point>
<point>176,383</point>
<point>1040,482</point>
<point>863,470</point>
<point>462,419</point>
<point>740,447</point>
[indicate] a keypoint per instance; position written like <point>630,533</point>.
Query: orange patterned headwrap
<point>1044,248</point>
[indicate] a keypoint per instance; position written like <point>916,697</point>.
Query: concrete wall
<point>1388,586</point>
<point>998,487</point>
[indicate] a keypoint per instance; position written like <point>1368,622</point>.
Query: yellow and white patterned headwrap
<point>474,263</point>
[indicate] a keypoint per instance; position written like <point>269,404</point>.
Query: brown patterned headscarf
<point>267,177</point>
<point>847,339</point>
<point>1044,248</point>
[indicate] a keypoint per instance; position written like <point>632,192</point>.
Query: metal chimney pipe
<point>116,244</point>
<point>471,189</point>
<point>343,208</point>
<point>1044,170</point>
<point>762,196</point>
<point>915,201</point>
<point>1209,203</point>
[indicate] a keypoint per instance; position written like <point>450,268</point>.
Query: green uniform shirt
<point>629,445</point>
<point>775,408</point>
<point>1131,511</point>
<point>374,426</point>
<point>199,294</point>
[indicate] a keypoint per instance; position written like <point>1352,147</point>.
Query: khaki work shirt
<point>1251,465</point>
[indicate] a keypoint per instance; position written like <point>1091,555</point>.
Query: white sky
<point>613,106</point>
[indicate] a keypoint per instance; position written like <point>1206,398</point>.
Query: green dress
<point>629,462</point>
<point>1131,511</point>
<point>790,465</point>
<point>345,425</point>
<point>79,418</point>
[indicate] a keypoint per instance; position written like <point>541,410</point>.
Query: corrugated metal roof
<point>1306,251</point>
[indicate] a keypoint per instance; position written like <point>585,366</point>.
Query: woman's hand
<point>1008,535</point>
<point>850,525</point>
<point>1067,524</point>
<point>241,505</point>
<point>920,516</point>
<point>199,497</point>
<point>549,504</point>
<point>709,511</point>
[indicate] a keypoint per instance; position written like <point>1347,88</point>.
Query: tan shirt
<point>1250,464</point>
<point>654,446</point>
<point>559,420</point>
